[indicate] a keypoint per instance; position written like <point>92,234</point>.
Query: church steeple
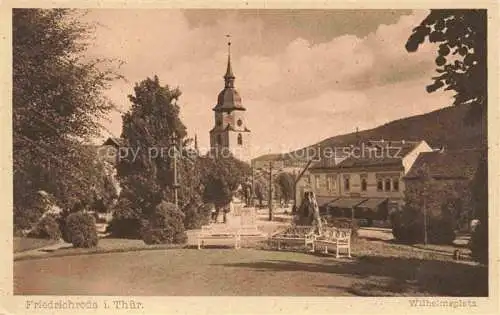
<point>230,132</point>
<point>229,76</point>
<point>228,99</point>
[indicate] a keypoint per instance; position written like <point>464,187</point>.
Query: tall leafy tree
<point>286,182</point>
<point>151,133</point>
<point>462,67</point>
<point>58,102</point>
<point>224,176</point>
<point>261,190</point>
<point>461,57</point>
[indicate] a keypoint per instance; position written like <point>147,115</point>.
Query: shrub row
<point>408,227</point>
<point>77,228</point>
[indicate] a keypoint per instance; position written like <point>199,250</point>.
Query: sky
<point>303,75</point>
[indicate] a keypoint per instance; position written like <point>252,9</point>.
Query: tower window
<point>240,139</point>
<point>219,139</point>
<point>219,122</point>
<point>239,122</point>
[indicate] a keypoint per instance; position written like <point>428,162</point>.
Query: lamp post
<point>176,185</point>
<point>426,179</point>
<point>270,193</point>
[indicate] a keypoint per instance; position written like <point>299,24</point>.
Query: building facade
<point>367,184</point>
<point>443,179</point>
<point>230,132</point>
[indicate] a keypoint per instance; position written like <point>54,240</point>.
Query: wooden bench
<point>219,232</point>
<point>295,234</point>
<point>334,238</point>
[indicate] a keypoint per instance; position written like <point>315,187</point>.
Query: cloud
<point>297,90</point>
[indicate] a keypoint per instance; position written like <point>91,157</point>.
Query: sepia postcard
<point>249,157</point>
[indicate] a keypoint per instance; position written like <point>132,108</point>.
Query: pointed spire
<point>229,76</point>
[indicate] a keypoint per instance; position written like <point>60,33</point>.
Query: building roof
<point>229,99</point>
<point>117,142</point>
<point>369,154</point>
<point>458,164</point>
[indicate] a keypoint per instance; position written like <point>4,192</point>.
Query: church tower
<point>230,132</point>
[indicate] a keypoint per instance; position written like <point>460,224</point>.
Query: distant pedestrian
<point>224,214</point>
<point>316,218</point>
<point>474,224</point>
<point>214,214</point>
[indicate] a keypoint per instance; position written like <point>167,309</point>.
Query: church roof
<point>229,99</point>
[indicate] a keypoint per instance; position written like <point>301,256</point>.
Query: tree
<point>58,102</point>
<point>286,183</point>
<point>152,132</point>
<point>261,190</point>
<point>462,67</point>
<point>479,188</point>
<point>164,225</point>
<point>225,175</point>
<point>461,61</point>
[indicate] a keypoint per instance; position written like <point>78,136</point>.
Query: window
<point>219,139</point>
<point>347,183</point>
<point>239,122</point>
<point>316,181</point>
<point>395,184</point>
<point>387,184</point>
<point>240,139</point>
<point>380,185</point>
<point>219,122</point>
<point>330,182</point>
<point>363,184</point>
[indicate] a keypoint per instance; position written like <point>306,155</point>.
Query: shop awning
<point>346,202</point>
<point>323,201</point>
<point>372,203</point>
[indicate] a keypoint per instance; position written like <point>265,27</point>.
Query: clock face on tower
<point>239,122</point>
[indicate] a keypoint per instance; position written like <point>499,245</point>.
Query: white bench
<point>219,232</point>
<point>295,234</point>
<point>336,239</point>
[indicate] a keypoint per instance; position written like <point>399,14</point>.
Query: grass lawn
<point>105,245</point>
<point>377,269</point>
<point>412,270</point>
<point>22,244</point>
